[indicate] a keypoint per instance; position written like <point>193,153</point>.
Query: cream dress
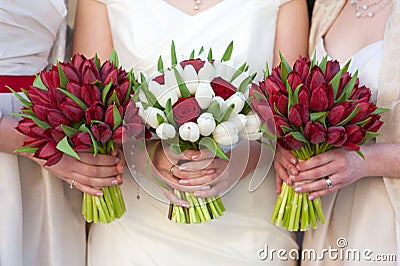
<point>143,30</point>
<point>356,213</point>
<point>40,223</point>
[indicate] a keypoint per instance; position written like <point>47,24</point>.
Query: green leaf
<point>63,77</point>
<point>286,129</point>
<point>64,147</point>
<point>69,131</point>
<point>175,148</point>
<point>114,58</point>
<point>381,110</point>
<point>37,121</point>
<point>296,93</point>
<point>350,116</point>
<point>347,90</point>
<point>97,61</point>
<point>247,106</point>
<point>214,109</point>
<point>201,50</point>
<point>291,101</point>
<point>239,71</point>
<point>170,114</point>
<point>160,119</point>
<point>266,71</point>
<point>105,91</point>
<point>182,86</point>
<point>360,153</point>
<point>228,53</point>
<point>27,149</point>
<point>192,54</point>
<point>210,55</point>
<point>113,98</point>
<point>79,102</point>
<point>318,115</point>
<point>285,68</point>
<point>174,59</point>
<point>84,128</point>
<point>160,65</point>
<point>322,65</point>
<point>210,144</point>
<point>226,114</point>
<point>130,91</point>
<point>298,136</point>
<point>24,101</point>
<point>38,83</point>
<point>117,117</point>
<point>243,85</point>
<point>314,60</point>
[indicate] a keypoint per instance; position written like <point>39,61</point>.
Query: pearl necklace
<point>197,4</point>
<point>364,11</point>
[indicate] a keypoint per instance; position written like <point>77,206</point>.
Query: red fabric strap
<point>15,83</point>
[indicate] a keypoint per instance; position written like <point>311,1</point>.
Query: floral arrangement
<point>199,103</point>
<point>316,107</point>
<point>81,106</point>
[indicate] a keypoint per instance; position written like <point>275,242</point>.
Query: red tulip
<point>316,78</point>
<point>122,90</point>
<point>38,96</point>
<point>336,136</point>
<point>77,61</point>
<point>94,112</point>
<point>280,122</point>
<point>81,141</point>
<point>41,112</point>
<point>29,128</point>
<point>120,134</point>
<point>88,75</point>
<point>48,152</point>
<point>111,76</point>
<point>302,66</point>
<point>56,118</point>
<point>135,128</point>
<point>90,94</point>
<point>332,68</point>
<point>280,101</point>
<point>109,114</point>
<point>366,109</point>
<point>315,132</point>
<point>290,143</point>
<point>196,63</point>
<point>373,124</point>
<point>304,102</point>
<point>260,104</point>
<point>361,93</point>
<point>355,133</point>
<point>51,78</point>
<point>294,80</point>
<point>75,89</point>
<point>55,98</point>
<point>101,132</point>
<point>274,85</point>
<point>344,80</point>
<point>71,110</point>
<point>338,113</point>
<point>222,88</point>
<point>295,115</point>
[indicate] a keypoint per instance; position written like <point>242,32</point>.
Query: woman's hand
<point>285,165</point>
<point>341,166</point>
<point>90,173</point>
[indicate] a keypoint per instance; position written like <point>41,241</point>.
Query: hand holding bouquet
<point>199,103</point>
<point>316,107</point>
<point>81,106</point>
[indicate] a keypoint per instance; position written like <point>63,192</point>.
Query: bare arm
<point>291,31</point>
<point>92,32</point>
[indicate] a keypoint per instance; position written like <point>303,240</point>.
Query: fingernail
<point>117,159</point>
<point>114,182</point>
<point>310,197</point>
<point>196,193</point>
<point>293,160</point>
<point>195,156</point>
<point>292,177</point>
<point>120,168</point>
<point>184,205</point>
<point>209,172</point>
<point>184,181</point>
<point>293,172</point>
<point>99,193</point>
<point>205,187</point>
<point>297,189</point>
<point>183,167</point>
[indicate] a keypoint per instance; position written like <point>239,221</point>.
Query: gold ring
<point>71,186</point>
<point>171,170</point>
<point>328,181</point>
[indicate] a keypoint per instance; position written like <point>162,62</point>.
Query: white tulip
<point>225,70</point>
<point>237,81</point>
<point>206,73</point>
<point>239,120</point>
<point>206,124</point>
<point>139,105</point>
<point>226,134</point>
<point>252,129</point>
<point>165,131</point>
<point>150,116</point>
<point>189,131</point>
<point>204,95</point>
<point>221,102</point>
<point>162,93</point>
<point>238,100</point>
<point>170,81</point>
<point>190,78</point>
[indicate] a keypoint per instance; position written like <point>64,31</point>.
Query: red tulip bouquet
<point>80,106</point>
<point>316,107</point>
<point>199,103</point>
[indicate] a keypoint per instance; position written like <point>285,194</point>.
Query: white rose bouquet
<point>199,103</point>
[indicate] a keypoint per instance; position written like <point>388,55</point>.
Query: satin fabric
<point>40,221</point>
<point>144,235</point>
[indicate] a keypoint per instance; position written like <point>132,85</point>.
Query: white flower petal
<point>204,95</point>
<point>238,100</point>
<point>206,73</point>
<point>226,134</point>
<point>189,131</point>
<point>206,124</point>
<point>165,131</point>
<point>151,114</point>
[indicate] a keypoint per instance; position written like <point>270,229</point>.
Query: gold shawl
<point>324,14</point>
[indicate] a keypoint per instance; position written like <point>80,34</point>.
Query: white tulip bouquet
<point>199,103</point>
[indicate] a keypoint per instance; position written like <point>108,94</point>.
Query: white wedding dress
<point>40,220</point>
<point>141,31</point>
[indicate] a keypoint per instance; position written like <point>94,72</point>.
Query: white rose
<point>204,95</point>
<point>206,123</point>
<point>150,116</point>
<point>252,129</point>
<point>165,131</point>
<point>189,131</point>
<point>226,134</point>
<point>238,100</point>
<point>239,120</point>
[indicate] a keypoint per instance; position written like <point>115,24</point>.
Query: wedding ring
<point>171,170</point>
<point>328,182</point>
<point>71,186</point>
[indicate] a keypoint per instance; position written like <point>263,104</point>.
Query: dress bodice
<point>143,30</point>
<point>367,61</point>
<point>28,30</point>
